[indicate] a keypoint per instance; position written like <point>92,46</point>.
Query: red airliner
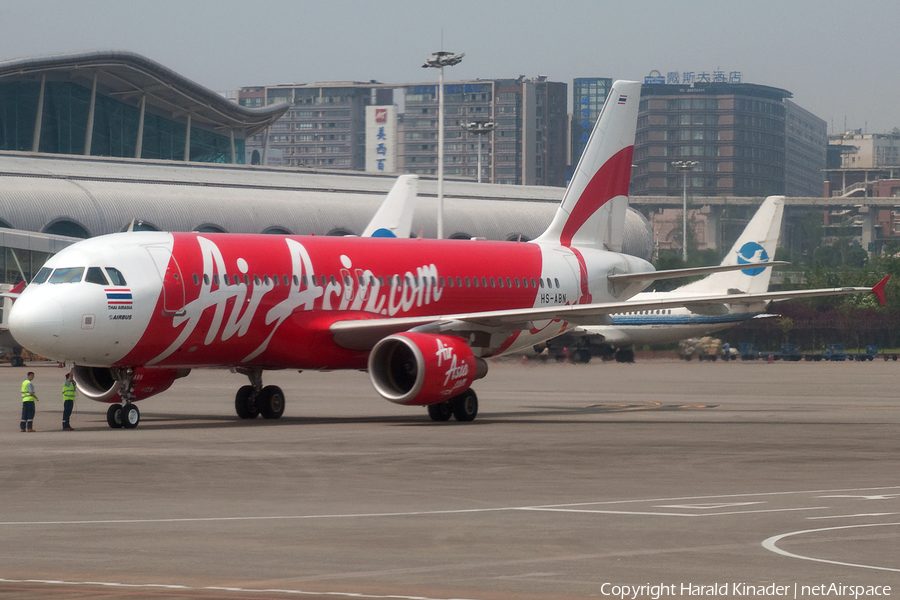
<point>134,311</point>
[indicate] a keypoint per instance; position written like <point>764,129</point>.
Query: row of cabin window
<point>658,311</point>
<point>394,281</point>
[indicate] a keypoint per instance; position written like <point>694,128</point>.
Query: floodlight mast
<point>685,166</point>
<point>480,128</point>
<point>438,61</point>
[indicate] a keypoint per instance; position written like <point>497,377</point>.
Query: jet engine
<point>103,385</point>
<point>423,368</point>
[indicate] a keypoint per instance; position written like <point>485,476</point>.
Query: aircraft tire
<point>271,402</point>
<point>582,356</point>
<point>114,416</point>
<point>465,406</point>
<point>245,404</point>
<point>131,416</point>
<point>440,412</point>
<point>627,356</point>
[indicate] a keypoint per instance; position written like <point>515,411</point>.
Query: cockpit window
<point>42,275</point>
<point>115,276</point>
<point>67,275</point>
<point>95,275</point>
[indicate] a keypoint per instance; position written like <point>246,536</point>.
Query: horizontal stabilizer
<point>17,290</point>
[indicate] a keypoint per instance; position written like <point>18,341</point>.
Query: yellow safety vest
<point>69,392</point>
<point>27,396</point>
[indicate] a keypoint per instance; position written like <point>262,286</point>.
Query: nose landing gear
<point>125,414</point>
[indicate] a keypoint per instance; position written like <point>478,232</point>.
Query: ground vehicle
<point>705,348</point>
<point>788,352</point>
<point>871,353</point>
<point>748,351</point>
<point>833,352</point>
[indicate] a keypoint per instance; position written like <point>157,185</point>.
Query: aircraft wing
<point>363,334</point>
<point>691,304</point>
<point>651,276</point>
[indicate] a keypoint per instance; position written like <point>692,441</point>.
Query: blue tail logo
<point>384,233</point>
<point>749,253</point>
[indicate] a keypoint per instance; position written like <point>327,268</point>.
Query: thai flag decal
<point>118,297</point>
<point>622,99</point>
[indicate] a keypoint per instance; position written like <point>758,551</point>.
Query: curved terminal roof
<point>99,196</point>
<point>126,75</point>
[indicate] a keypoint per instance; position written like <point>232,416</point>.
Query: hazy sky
<point>838,58</point>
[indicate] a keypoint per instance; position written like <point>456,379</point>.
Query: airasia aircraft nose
<point>36,324</point>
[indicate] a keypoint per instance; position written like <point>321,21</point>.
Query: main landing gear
<point>125,414</point>
<point>625,355</point>
<point>464,407</point>
<point>254,399</point>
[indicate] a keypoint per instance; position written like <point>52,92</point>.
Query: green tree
<point>787,325</point>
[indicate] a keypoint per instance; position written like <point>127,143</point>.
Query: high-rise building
<point>464,102</point>
<point>857,160</point>
<point>588,96</point>
<point>868,150</point>
<point>805,142</point>
<point>527,145</point>
<point>747,140</point>
<point>325,128</point>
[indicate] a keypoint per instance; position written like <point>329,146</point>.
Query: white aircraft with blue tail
<point>394,218</point>
<point>697,318</point>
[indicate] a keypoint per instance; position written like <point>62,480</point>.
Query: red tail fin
<point>878,289</point>
<point>592,212</point>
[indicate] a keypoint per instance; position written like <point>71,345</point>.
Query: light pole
<point>438,61</point>
<point>685,166</point>
<point>480,128</point>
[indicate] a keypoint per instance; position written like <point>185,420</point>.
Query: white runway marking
<point>573,508</point>
<point>601,512</point>
<point>549,508</point>
<point>257,518</point>
<point>702,505</point>
<point>227,589</point>
<point>771,545</point>
<point>863,497</point>
<point>853,516</point>
<point>709,505</point>
<point>665,514</point>
<point>722,496</point>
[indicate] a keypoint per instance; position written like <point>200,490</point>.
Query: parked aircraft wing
<point>365,333</point>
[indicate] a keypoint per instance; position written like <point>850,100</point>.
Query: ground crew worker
<point>28,400</point>
<point>69,393</point>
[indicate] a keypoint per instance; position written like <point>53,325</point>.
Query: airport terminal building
<point>120,104</point>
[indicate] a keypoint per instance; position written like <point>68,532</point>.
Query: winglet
<point>878,289</point>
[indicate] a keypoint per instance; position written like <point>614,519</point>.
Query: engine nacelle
<point>423,368</point>
<point>102,385</point>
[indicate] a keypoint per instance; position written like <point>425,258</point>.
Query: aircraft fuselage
<point>266,301</point>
